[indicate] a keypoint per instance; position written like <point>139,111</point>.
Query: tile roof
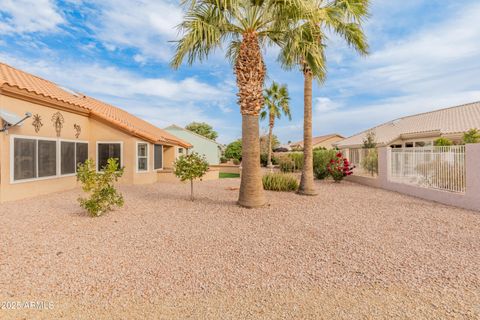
<point>451,120</point>
<point>117,117</point>
<point>172,127</point>
<point>317,140</point>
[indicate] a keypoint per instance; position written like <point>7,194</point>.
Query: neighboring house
<point>419,130</point>
<point>212,150</point>
<point>326,141</point>
<point>64,129</point>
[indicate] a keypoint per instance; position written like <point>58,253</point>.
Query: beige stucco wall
<point>469,200</point>
<point>328,144</point>
<point>92,131</point>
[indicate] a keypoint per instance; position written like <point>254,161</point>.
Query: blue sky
<point>425,55</point>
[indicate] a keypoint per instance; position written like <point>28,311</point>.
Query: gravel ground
<point>352,252</point>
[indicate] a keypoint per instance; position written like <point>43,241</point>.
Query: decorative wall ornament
<point>37,122</point>
<point>78,130</point>
<point>58,121</point>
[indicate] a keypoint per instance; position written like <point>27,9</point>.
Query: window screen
<point>142,153</point>
<point>67,157</point>
<point>47,158</point>
<point>107,151</point>
<point>82,153</point>
<point>24,155</point>
<point>158,156</point>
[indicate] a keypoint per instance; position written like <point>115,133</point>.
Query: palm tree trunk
<point>270,134</point>
<point>251,186</point>
<point>306,183</point>
<point>250,74</point>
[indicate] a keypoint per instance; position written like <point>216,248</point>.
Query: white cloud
<point>433,68</point>
<point>25,16</point>
<point>323,104</point>
<point>147,25</point>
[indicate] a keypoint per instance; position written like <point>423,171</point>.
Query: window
<point>420,144</point>
<point>107,151</point>
<point>38,158</point>
<point>158,155</point>
<point>142,157</point>
<point>67,157</point>
<point>180,150</point>
<point>24,159</point>
<point>396,146</point>
<point>408,144</point>
<point>71,154</point>
<point>47,158</point>
<point>81,153</point>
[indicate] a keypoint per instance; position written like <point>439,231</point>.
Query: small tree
<point>442,142</point>
<point>234,150</point>
<point>471,136</point>
<point>100,185</point>
<point>203,129</point>
<point>190,167</point>
<point>370,140</point>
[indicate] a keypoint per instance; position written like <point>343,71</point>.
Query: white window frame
<point>147,156</point>
<point>74,154</point>
<point>58,157</point>
<point>109,142</point>
<point>163,158</point>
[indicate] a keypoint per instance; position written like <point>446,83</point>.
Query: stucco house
<point>212,150</point>
<point>62,128</point>
<point>325,141</point>
<point>419,130</point>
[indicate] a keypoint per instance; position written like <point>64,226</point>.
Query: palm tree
<point>245,26</point>
<point>303,45</point>
<point>276,104</point>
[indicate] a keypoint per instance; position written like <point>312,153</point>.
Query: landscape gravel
<point>351,252</point>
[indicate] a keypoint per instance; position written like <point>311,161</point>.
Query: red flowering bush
<point>339,167</point>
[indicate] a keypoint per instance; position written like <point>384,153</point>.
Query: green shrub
<point>236,162</point>
<point>264,160</point>
<point>442,142</point>
<point>471,136</point>
<point>223,159</point>
<point>321,159</point>
<point>234,150</point>
<point>370,162</point>
<point>190,167</point>
<point>290,162</point>
<point>100,185</point>
<point>280,182</point>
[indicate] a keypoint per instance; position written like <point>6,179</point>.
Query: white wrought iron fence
<point>441,168</point>
<point>364,160</point>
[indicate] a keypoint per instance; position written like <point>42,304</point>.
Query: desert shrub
<point>264,160</point>
<point>234,150</point>
<point>223,159</point>
<point>297,159</point>
<point>339,167</point>
<point>280,182</point>
<point>471,136</point>
<point>236,162</point>
<point>321,159</point>
<point>190,167</point>
<point>370,161</point>
<point>102,195</point>
<point>442,142</point>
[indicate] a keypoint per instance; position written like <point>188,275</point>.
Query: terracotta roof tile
<point>12,77</point>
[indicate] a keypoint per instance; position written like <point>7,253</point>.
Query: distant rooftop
<point>451,120</point>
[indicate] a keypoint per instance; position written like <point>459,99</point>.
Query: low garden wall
<point>226,168</point>
<point>468,200</point>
